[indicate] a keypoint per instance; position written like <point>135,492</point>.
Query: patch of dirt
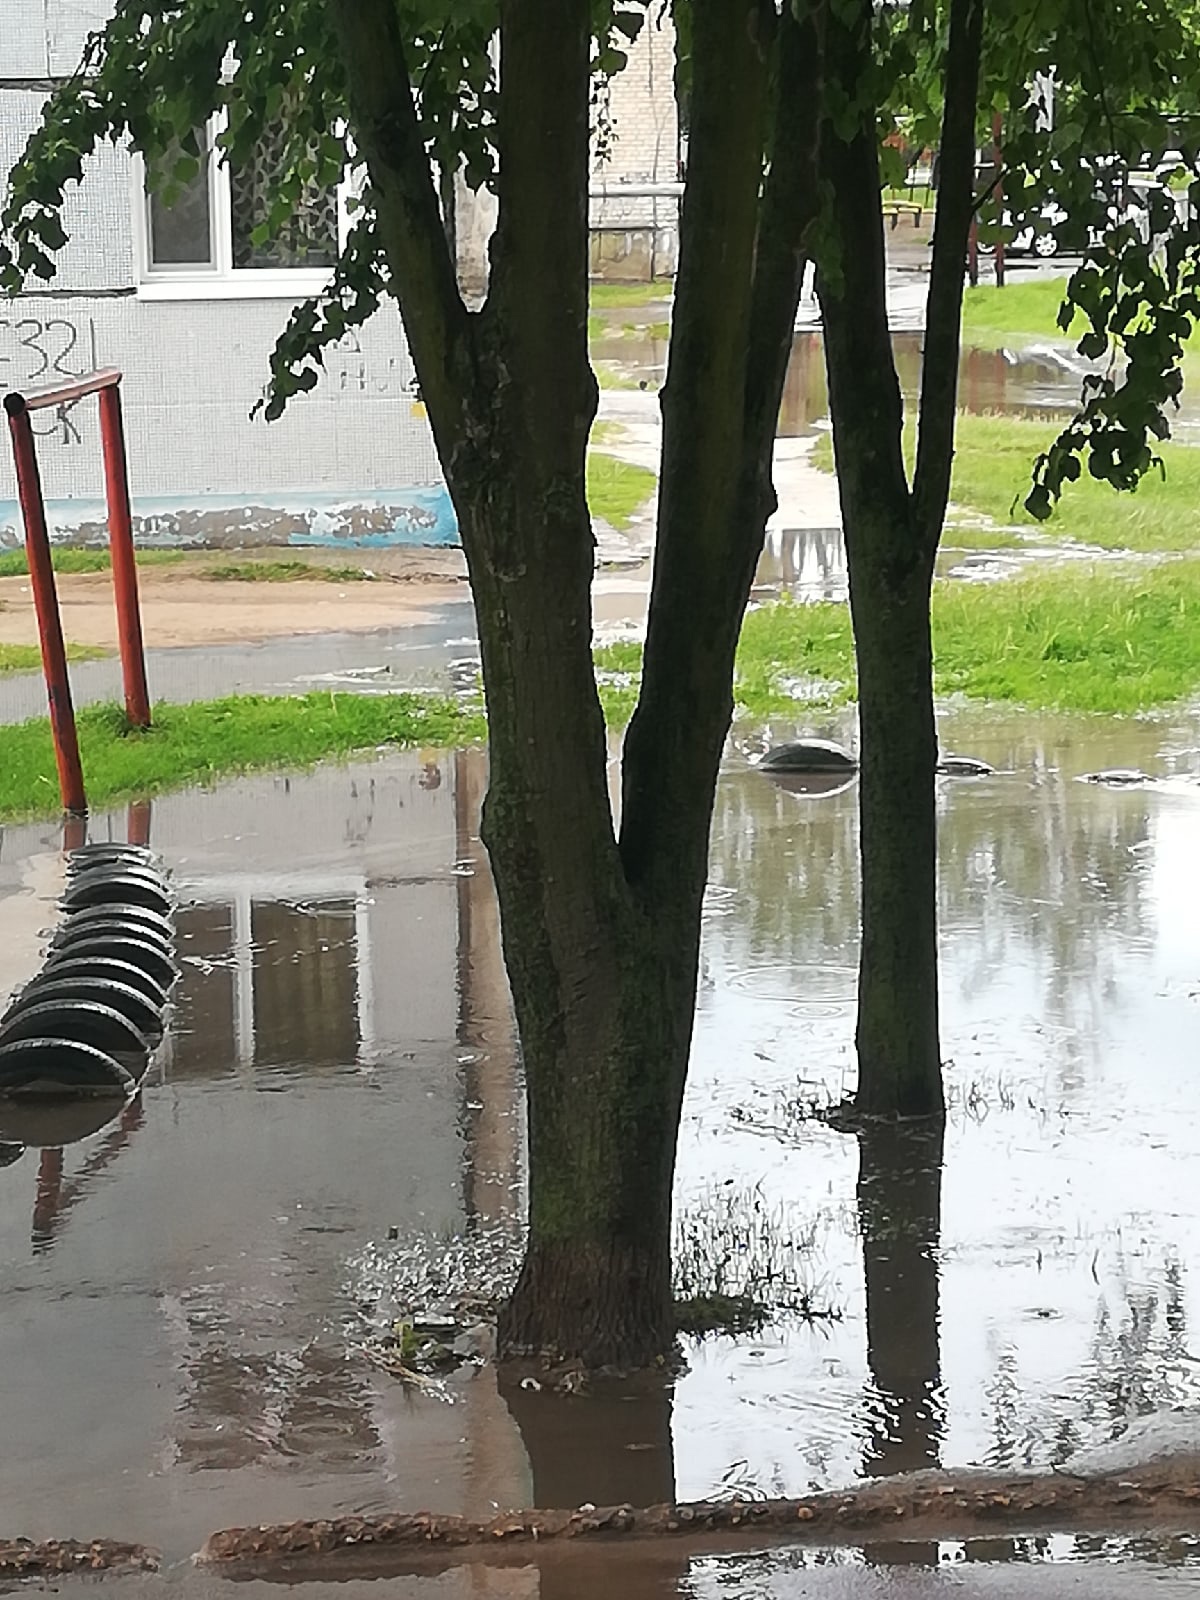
<point>180,607</point>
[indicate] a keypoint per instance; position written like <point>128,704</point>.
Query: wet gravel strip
<point>922,1505</point>
<point>25,1558</point>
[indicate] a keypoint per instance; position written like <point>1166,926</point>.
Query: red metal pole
<point>74,833</point>
<point>45,599</point>
<point>124,562</point>
<point>137,822</point>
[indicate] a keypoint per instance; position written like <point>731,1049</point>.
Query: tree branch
<point>539,279</point>
<point>864,391</point>
<point>436,322</point>
<point>943,316</point>
<point>791,203</point>
<point>703,542</point>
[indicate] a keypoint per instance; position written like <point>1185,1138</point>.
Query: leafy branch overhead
<point>1086,92</point>
<point>1119,77</point>
<point>1120,73</point>
<point>158,75</point>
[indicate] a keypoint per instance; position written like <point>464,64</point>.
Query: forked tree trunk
<point>890,567</point>
<point>601,937</point>
<point>892,535</point>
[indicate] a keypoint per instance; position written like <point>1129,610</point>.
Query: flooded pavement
<point>190,1294</point>
<point>414,656</point>
<point>987,1572</point>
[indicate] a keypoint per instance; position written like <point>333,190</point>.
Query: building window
<point>199,235</point>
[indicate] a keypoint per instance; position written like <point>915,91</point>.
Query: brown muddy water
<point>1038,378</point>
<point>1042,379</point>
<point>189,1294</point>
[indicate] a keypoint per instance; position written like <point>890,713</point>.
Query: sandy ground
<point>180,607</point>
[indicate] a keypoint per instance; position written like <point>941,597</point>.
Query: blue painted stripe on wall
<point>418,516</point>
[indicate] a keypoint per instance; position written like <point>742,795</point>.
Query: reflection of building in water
<point>340,1063</point>
<point>809,563</point>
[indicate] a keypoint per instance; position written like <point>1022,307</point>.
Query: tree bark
<point>891,570</point>
<point>601,939</point>
<point>891,541</point>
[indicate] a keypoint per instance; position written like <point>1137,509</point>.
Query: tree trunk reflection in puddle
<point>610,1446</point>
<point>899,1217</point>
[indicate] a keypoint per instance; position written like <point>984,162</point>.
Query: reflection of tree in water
<point>1055,877</point>
<point>900,1208</point>
<point>1138,1364</point>
<point>1138,1348</point>
<point>609,1446</point>
<point>793,864</point>
<point>1037,871</point>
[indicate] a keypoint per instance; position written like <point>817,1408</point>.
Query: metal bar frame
<point>105,384</point>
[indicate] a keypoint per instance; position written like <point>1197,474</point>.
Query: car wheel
<point>1045,246</point>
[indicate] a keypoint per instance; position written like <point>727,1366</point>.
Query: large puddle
<point>1031,378</point>
<point>187,1291</point>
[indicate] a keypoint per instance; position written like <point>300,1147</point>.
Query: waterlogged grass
<point>617,490</point>
<point>69,558</point>
<point>213,739</point>
<point>609,376</point>
<point>993,466</point>
<point>28,658</point>
<point>1108,639</point>
<point>285,572</point>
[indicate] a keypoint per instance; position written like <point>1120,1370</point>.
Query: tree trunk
<point>897,1033</point>
<point>891,541</point>
<point>891,569</point>
<point>601,941</point>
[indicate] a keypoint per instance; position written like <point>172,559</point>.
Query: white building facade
<point>188,307</point>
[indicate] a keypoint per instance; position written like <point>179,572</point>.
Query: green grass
<point>285,572</point>
<point>647,330</point>
<point>993,463</point>
<point>1106,639</point>
<point>993,468</point>
<point>28,658</point>
<point>1109,639</point>
<point>617,296</point>
<point>208,740</point>
<point>610,377</point>
<point>1027,309</point>
<point>70,558</point>
<point>617,490</point>
<point>972,536</point>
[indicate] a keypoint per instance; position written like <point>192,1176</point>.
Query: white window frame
<point>221,280</point>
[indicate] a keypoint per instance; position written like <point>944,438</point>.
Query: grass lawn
<point>212,739</point>
<point>618,296</point>
<point>1024,308</point>
<point>28,658</point>
<point>993,462</point>
<point>993,467</point>
<point>617,490</point>
<point>71,558</point>
<point>1109,639</point>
